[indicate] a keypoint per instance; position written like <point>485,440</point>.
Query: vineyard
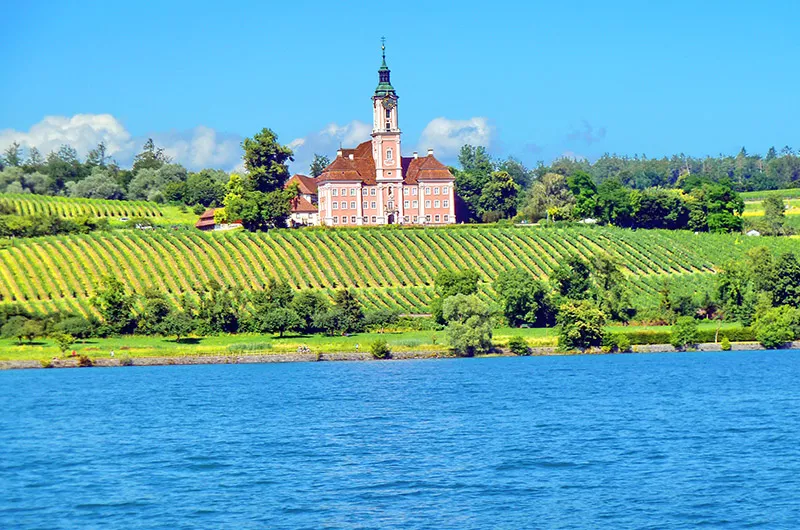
<point>29,204</point>
<point>385,268</point>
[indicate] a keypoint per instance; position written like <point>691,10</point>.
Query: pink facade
<point>373,184</point>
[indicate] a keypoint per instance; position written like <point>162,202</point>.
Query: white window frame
<point>364,205</point>
<point>353,219</point>
<point>427,204</point>
<point>336,220</point>
<point>415,204</point>
<point>405,204</point>
<point>445,203</point>
<point>335,192</point>
<point>444,190</point>
<point>374,205</point>
<point>427,190</point>
<point>436,191</point>
<point>335,205</point>
<point>405,190</point>
<point>352,192</point>
<point>372,192</point>
<point>374,219</point>
<point>389,154</point>
<point>436,204</point>
<point>352,205</point>
<point>436,218</point>
<point>413,191</point>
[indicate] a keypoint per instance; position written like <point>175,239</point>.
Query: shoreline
<point>265,358</point>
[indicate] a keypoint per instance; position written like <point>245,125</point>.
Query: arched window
<point>389,154</point>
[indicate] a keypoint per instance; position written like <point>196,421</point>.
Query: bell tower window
<point>388,154</point>
<point>388,114</point>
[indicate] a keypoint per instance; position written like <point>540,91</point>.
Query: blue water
<point>627,441</point>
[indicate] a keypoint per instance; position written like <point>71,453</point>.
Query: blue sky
<point>531,79</point>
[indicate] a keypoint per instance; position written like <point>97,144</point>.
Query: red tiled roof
<point>301,205</point>
<point>307,185</point>
<point>362,167</point>
<point>206,220</point>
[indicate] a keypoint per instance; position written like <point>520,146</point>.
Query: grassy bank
<point>243,344</point>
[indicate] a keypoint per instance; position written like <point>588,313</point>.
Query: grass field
<point>143,346</point>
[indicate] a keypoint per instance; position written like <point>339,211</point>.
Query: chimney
<point>430,152</point>
<point>350,156</point>
<point>338,153</point>
<point>415,155</point>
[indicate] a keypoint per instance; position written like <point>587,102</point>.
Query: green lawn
<point>140,346</point>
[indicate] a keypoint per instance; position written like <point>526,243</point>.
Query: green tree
<point>580,325</point>
<point>99,185</point>
<point>218,311</point>
<point>318,165</point>
<point>584,190</point>
<point>115,306</point>
<point>518,346</point>
<point>572,279</point>
<point>266,162</point>
<point>476,169</point>
<point>260,211</point>
<point>177,323</point>
<point>12,156</point>
<point>525,300</point>
<point>98,157</point>
<point>684,333</point>
<point>151,157</point>
<point>380,349</point>
<point>278,320</point>
<point>14,328</point>
<point>548,198</point>
<point>498,199</point>
<point>351,315</point>
<point>614,203</point>
<point>155,308</point>
<point>469,328</point>
<point>777,326</point>
<point>307,305</point>
<point>380,318</point>
<point>448,283</point>
<point>64,341</point>
<point>786,287</point>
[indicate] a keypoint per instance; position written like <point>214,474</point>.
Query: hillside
<point>386,267</point>
<point>114,211</point>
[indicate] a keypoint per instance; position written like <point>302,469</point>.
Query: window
<point>427,191</point>
<point>405,204</point>
<point>388,154</point>
<point>335,220</point>
<point>335,192</point>
<point>413,191</point>
<point>364,205</point>
<point>373,205</point>
<point>372,192</point>
<point>390,205</point>
<point>446,218</point>
<point>388,113</point>
<point>427,204</point>
<point>415,204</point>
<point>446,203</point>
<point>436,218</point>
<point>352,192</point>
<point>353,205</point>
<point>444,190</point>
<point>365,219</point>
<point>389,173</point>
<point>364,192</point>
<point>374,219</point>
<point>428,218</point>
<point>388,125</point>
<point>435,204</point>
<point>335,205</point>
<point>436,191</point>
<point>405,191</point>
<point>405,218</point>
<point>353,219</point>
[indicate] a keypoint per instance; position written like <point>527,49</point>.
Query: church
<point>373,184</point>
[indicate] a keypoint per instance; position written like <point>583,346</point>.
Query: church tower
<point>385,127</point>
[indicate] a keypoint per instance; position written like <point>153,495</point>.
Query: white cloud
<point>202,147</point>
<point>197,148</point>
<point>446,137</point>
<point>326,142</point>
<point>81,131</point>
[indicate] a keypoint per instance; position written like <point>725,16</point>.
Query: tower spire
<point>385,87</point>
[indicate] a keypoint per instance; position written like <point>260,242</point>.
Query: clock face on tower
<point>388,103</point>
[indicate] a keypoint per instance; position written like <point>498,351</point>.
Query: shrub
<point>684,333</point>
<point>580,325</point>
<point>64,341</point>
<point>249,347</point>
<point>623,343</point>
<point>84,361</point>
<point>518,346</point>
<point>125,360</point>
<point>725,344</point>
<point>777,326</point>
<point>469,328</point>
<point>380,349</point>
<point>46,363</point>
<point>78,327</point>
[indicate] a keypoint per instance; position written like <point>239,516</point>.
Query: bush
<point>518,346</point>
<point>623,343</point>
<point>46,363</point>
<point>125,360</point>
<point>725,344</point>
<point>777,326</point>
<point>580,325</point>
<point>380,349</point>
<point>84,361</point>
<point>684,333</point>
<point>249,347</point>
<point>78,327</point>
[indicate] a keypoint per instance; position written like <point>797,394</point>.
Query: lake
<point>616,441</point>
